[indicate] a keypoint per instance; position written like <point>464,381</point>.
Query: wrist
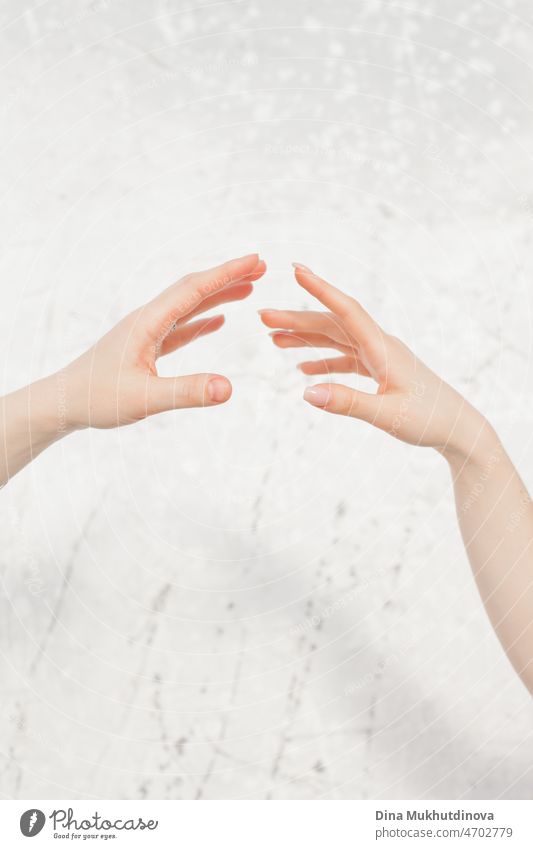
<point>473,443</point>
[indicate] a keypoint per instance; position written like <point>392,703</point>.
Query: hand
<point>412,403</point>
<point>116,382</point>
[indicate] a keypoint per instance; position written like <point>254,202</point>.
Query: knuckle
<point>352,305</point>
<point>192,391</point>
<point>351,403</point>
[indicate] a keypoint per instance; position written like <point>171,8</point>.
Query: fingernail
<point>298,265</point>
<point>217,390</point>
<point>318,396</point>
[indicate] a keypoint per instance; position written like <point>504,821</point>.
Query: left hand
<point>116,382</point>
<point>412,403</point>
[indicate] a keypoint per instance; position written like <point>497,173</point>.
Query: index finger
<point>355,317</point>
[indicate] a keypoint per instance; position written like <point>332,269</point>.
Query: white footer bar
<point>267,825</point>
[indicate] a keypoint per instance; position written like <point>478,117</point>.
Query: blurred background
<point>260,601</point>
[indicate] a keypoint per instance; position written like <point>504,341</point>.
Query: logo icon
<point>32,822</point>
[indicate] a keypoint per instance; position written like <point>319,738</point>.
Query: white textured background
<point>261,601</point>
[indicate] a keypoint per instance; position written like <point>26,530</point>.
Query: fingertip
<point>277,338</point>
<point>318,396</point>
<point>210,325</point>
<point>256,273</point>
<point>252,263</point>
<point>219,390</point>
<point>304,276</point>
<point>265,316</point>
<point>233,270</point>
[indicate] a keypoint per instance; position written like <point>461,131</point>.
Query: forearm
<point>31,419</point>
<point>495,514</point>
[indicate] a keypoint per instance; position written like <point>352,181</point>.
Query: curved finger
<point>189,332</point>
<point>347,308</point>
<point>235,292</point>
<point>285,339</point>
<point>306,321</point>
<point>344,401</point>
<point>335,365</point>
<point>180,299</point>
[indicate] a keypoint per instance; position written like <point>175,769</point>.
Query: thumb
<point>193,390</point>
<point>336,398</point>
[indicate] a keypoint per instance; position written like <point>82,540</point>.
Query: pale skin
<point>116,383</point>
<point>416,406</point>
